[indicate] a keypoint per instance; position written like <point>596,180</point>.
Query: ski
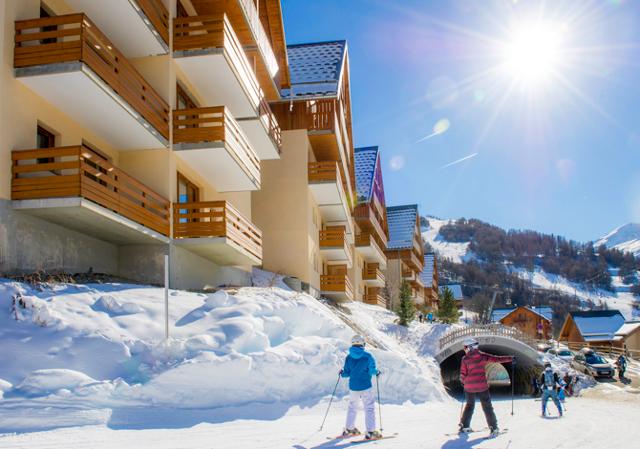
<point>344,437</point>
<point>501,432</point>
<point>373,439</point>
<point>484,429</point>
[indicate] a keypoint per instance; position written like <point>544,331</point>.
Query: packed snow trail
<point>591,422</point>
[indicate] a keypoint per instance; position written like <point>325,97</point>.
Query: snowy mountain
<point>624,238</point>
<point>456,251</point>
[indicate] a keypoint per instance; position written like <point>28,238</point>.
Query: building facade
<point>535,322</point>
<point>135,131</point>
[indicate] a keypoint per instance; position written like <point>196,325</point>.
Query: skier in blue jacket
<point>360,367</point>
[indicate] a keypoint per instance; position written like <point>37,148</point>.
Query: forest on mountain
<point>577,262</point>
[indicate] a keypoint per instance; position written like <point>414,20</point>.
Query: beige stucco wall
<point>393,277</point>
<point>355,275</point>
<point>283,209</point>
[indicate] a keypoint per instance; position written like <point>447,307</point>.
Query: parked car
<point>563,353</point>
<point>543,347</point>
<point>593,364</point>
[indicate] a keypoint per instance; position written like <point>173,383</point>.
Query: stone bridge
<point>494,339</point>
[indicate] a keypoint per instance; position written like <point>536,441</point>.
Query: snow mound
<point>265,345</point>
<point>46,381</point>
<point>109,304</point>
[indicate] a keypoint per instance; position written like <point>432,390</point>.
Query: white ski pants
<point>368,400</point>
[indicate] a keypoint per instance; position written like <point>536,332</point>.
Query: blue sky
<point>558,154</point>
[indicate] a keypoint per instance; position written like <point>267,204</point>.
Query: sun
<point>533,52</point>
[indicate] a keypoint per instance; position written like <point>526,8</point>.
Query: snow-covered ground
<point>457,252</point>
<point>624,238</point>
<point>622,301</point>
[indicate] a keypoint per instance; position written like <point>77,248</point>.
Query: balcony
<point>138,27</point>
<point>211,141</point>
<point>327,188</point>
<point>367,220</point>
<point>408,274</point>
<point>372,276</point>
<point>216,231</point>
<point>334,246</point>
<point>327,132</point>
<point>373,296</point>
<point>71,64</point>
<point>371,252</point>
<point>263,132</point>
<point>79,189</point>
<point>336,287</point>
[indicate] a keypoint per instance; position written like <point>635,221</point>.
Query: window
<point>45,139</point>
<point>183,99</point>
<point>46,12</point>
<point>188,192</point>
<point>182,12</point>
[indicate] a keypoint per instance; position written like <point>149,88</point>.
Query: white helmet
<point>357,340</point>
<point>471,343</point>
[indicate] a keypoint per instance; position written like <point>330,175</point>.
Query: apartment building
<point>137,130</point>
<point>429,278</point>
<point>306,202</point>
<point>405,254</point>
<point>372,231</point>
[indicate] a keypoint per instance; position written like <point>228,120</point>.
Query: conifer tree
<point>447,310</point>
<point>407,309</point>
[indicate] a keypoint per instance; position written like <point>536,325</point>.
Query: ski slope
<point>456,252</point>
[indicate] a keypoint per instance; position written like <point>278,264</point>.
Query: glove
<point>340,373</point>
<point>378,373</point>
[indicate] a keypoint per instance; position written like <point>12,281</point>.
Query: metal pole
<point>513,381</point>
<point>330,401</point>
<point>166,297</point>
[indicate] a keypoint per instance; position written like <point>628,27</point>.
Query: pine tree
<point>447,311</point>
<point>407,309</point>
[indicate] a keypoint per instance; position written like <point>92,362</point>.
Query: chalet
<point>533,321</point>
<point>629,335</point>
<point>594,327</point>
<point>405,253</point>
<point>429,277</point>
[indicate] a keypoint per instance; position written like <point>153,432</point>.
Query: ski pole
<point>379,408</point>
<point>331,400</point>
<point>513,381</point>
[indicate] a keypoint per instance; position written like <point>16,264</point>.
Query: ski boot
<point>350,432</point>
<point>373,435</point>
<point>462,429</point>
<point>493,432</point>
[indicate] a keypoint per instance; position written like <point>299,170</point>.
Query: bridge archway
<point>493,339</point>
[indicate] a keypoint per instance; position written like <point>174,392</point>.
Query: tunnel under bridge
<point>494,339</point>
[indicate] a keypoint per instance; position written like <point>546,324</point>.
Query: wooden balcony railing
<point>372,272</point>
<point>215,124</point>
<point>373,296</point>
<point>77,171</point>
<point>367,219</point>
<point>260,36</point>
<point>325,171</point>
<point>158,15</point>
<point>216,219</point>
<point>368,239</point>
<point>74,37</point>
<point>336,283</point>
<point>333,237</point>
<point>215,32</point>
<point>271,124</point>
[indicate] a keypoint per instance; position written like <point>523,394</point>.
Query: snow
<point>101,347</point>
<point>625,238</point>
<point>622,301</point>
<point>457,252</point>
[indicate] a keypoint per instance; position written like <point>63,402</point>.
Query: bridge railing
<point>481,330</point>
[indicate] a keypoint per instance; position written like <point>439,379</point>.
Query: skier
<point>359,367</point>
<point>621,364</point>
<point>549,381</point>
<point>535,386</point>
<point>474,380</point>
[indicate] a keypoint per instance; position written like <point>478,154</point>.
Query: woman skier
<point>549,381</point>
<point>474,380</point>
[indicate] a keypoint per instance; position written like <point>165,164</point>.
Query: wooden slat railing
<point>609,350</point>
<point>372,272</point>
<point>216,124</point>
<point>215,32</point>
<point>373,296</point>
<point>325,171</point>
<point>366,238</point>
<point>336,283</point>
<point>261,38</point>
<point>271,123</point>
<point>76,38</point>
<point>158,15</point>
<point>333,237</point>
<point>216,219</point>
<point>77,171</point>
<point>367,219</point>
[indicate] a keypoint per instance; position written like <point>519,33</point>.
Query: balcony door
<point>188,192</point>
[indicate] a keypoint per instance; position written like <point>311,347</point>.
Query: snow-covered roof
<point>628,328</point>
<point>365,167</point>
<point>544,312</point>
<point>456,289</point>
<point>598,325</point>
<point>402,225</point>
<point>315,69</point>
<point>426,276</point>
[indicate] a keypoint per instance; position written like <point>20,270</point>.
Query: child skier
<point>474,380</point>
<point>359,367</point>
<point>549,381</point>
<point>621,364</point>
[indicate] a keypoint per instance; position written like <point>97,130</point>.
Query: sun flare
<point>533,52</point>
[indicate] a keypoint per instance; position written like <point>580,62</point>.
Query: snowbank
<point>103,346</point>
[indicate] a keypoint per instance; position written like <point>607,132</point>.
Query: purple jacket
<point>472,369</point>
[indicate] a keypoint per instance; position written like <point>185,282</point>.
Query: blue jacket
<point>359,366</point>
